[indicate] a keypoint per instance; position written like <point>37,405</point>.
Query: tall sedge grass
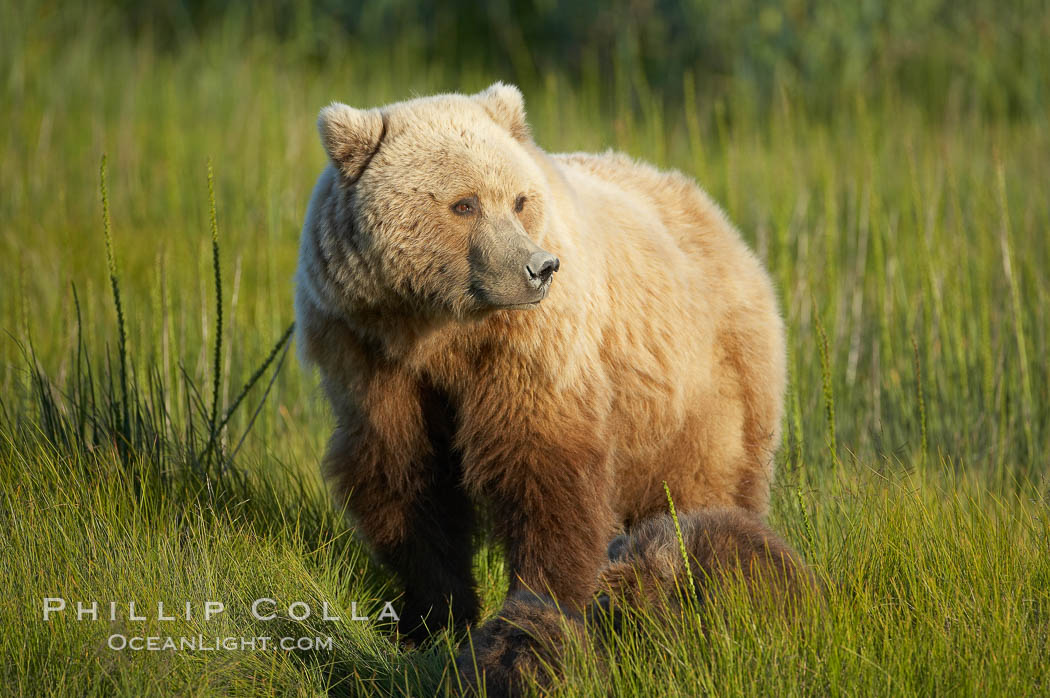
<point>215,437</point>
<point>681,544</point>
<point>828,390</point>
<point>122,335</point>
<point>101,406</point>
<point>920,400</point>
<point>1027,415</point>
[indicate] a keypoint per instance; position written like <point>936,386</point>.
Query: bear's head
<point>444,203</point>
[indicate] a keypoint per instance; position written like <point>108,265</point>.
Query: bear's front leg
<point>555,533</point>
<point>391,459</point>
<point>545,467</point>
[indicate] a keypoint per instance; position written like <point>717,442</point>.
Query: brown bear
<point>461,372</point>
<point>525,643</point>
<point>527,640</point>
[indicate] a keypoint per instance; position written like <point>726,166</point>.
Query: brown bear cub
<point>646,568</point>
<point>646,571</point>
<point>550,337</point>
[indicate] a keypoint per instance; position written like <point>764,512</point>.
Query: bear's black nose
<point>541,266</point>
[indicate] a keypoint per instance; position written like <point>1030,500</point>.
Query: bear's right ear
<point>506,107</point>
<point>350,136</point>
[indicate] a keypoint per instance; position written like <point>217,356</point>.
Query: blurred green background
<point>943,54</point>
<point>859,147</point>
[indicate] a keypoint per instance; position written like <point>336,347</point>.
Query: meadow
<point>159,441</point>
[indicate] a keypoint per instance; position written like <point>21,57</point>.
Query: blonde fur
<point>657,355</point>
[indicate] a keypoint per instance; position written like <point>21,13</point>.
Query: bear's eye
<point>519,204</point>
<point>465,207</point>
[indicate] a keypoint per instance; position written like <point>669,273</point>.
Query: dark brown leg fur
<point>555,524</point>
<point>544,468</point>
<point>526,640</point>
<point>421,525</point>
<point>434,561</point>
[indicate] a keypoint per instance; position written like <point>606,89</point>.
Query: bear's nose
<point>541,266</point>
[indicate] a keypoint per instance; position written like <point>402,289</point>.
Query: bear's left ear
<point>506,106</point>
<point>350,136</point>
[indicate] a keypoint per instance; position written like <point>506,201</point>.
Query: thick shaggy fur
<point>646,567</point>
<point>525,642</point>
<point>656,355</point>
<point>646,571</point>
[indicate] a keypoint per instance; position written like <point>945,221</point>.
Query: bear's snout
<point>540,267</point>
<point>509,270</point>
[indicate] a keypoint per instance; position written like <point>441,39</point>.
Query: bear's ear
<point>506,106</point>
<point>350,136</point>
<point>617,549</point>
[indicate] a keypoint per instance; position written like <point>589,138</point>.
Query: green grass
<point>910,249</point>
